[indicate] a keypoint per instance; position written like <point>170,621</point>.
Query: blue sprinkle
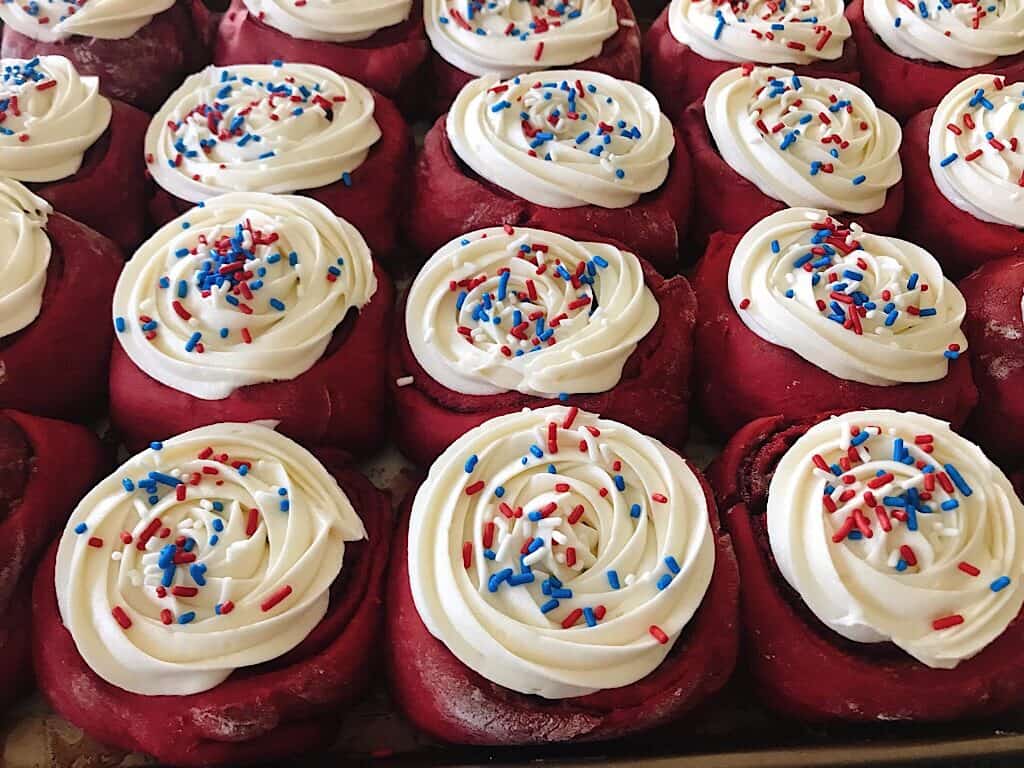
<point>999,584</point>
<point>187,618</point>
<point>672,564</point>
<point>613,579</point>
<point>549,606</point>
<point>471,464</point>
<point>858,180</point>
<point>588,615</point>
<point>664,581</point>
<point>635,511</point>
<point>620,483</point>
<point>81,528</point>
<point>218,524</point>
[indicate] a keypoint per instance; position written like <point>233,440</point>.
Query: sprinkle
<point>121,617</point>
<point>658,634</point>
<point>1000,584</point>
<point>947,621</point>
<point>275,598</point>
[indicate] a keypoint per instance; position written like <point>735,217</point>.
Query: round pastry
<point>805,313</point>
<point>139,49</point>
<point>995,327</point>
<point>503,319</point>
<point>765,139</point>
<point>694,41</point>
<point>251,307</point>
<point>381,43</point>
<point>45,467</point>
<point>56,280</point>
<point>68,142</point>
<point>282,128</point>
<point>511,38</point>
<point>965,174</point>
<point>215,600</point>
<point>880,554</point>
<point>559,150</point>
<point>558,577</point>
<point>912,54</point>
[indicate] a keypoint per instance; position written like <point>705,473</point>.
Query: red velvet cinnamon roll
<point>564,150</point>
<point>282,128</point>
<point>56,280</point>
<point>765,139</point>
<point>880,554</point>
<point>805,313</point>
<point>912,56</point>
<point>965,174</point>
<point>503,319</point>
<point>140,50</point>
<point>45,467</point>
<point>74,147</point>
<point>692,42</point>
<point>214,601</point>
<point>380,44</point>
<point>559,577</point>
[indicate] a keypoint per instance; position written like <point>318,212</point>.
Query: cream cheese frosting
<point>210,552</point>
<point>333,21</point>
<point>806,141</point>
<point>763,31</point>
<point>865,308</point>
<point>508,37</point>
<point>974,149</point>
<point>248,288</point>
<point>278,127</point>
<point>24,255</point>
<point>523,309</point>
<point>959,34</point>
<point>53,21</point>
<point>892,527</point>
<point>563,138</point>
<point>51,118</point>
<point>556,553</point>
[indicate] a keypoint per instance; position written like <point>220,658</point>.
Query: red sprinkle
<point>969,569</point>
<point>275,598</point>
<point>908,555</point>
<point>947,621</point>
<point>475,488</point>
<point>467,553</point>
<point>572,618</point>
<point>657,633</point>
<point>122,618</point>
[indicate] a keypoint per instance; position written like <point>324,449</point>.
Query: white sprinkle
<point>404,381</point>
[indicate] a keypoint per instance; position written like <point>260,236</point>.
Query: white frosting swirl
<point>24,255</point>
<point>563,138</point>
<point>507,37</point>
<point>933,565</point>
<point>865,308</point>
<point>619,551</point>
<point>333,21</point>
<point>215,551</point>
<point>968,33</point>
<point>806,141</point>
<point>975,149</point>
<point>763,31</point>
<point>53,21</point>
<point>51,116</point>
<point>260,128</point>
<point>247,288</point>
<point>527,310</point>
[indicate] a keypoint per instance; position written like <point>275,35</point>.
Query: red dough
<point>340,401</point>
<point>141,70</point>
<point>56,366</point>
<point>453,703</point>
<point>45,467</point>
<point>619,57</point>
<point>959,241</point>
<point>726,201</point>
<point>904,87</point>
<point>281,708</point>
<point>375,201</point>
<point>387,62</point>
<point>449,200</point>
<point>746,377</point>
<point>108,193</point>
<point>679,76</point>
<point>653,395</point>
<point>995,331</point>
<point>801,667</point>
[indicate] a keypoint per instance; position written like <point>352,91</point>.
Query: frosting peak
<point>806,141</point>
<point>212,551</point>
<point>563,138</point>
<point>528,310</point>
<point>247,288</point>
<point>24,255</point>
<point>334,21</point>
<point>53,21</point>
<point>260,128</point>
<point>556,553</point>
<point>975,151</point>
<point>892,527</point>
<point>865,308</point>
<point>52,117</point>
